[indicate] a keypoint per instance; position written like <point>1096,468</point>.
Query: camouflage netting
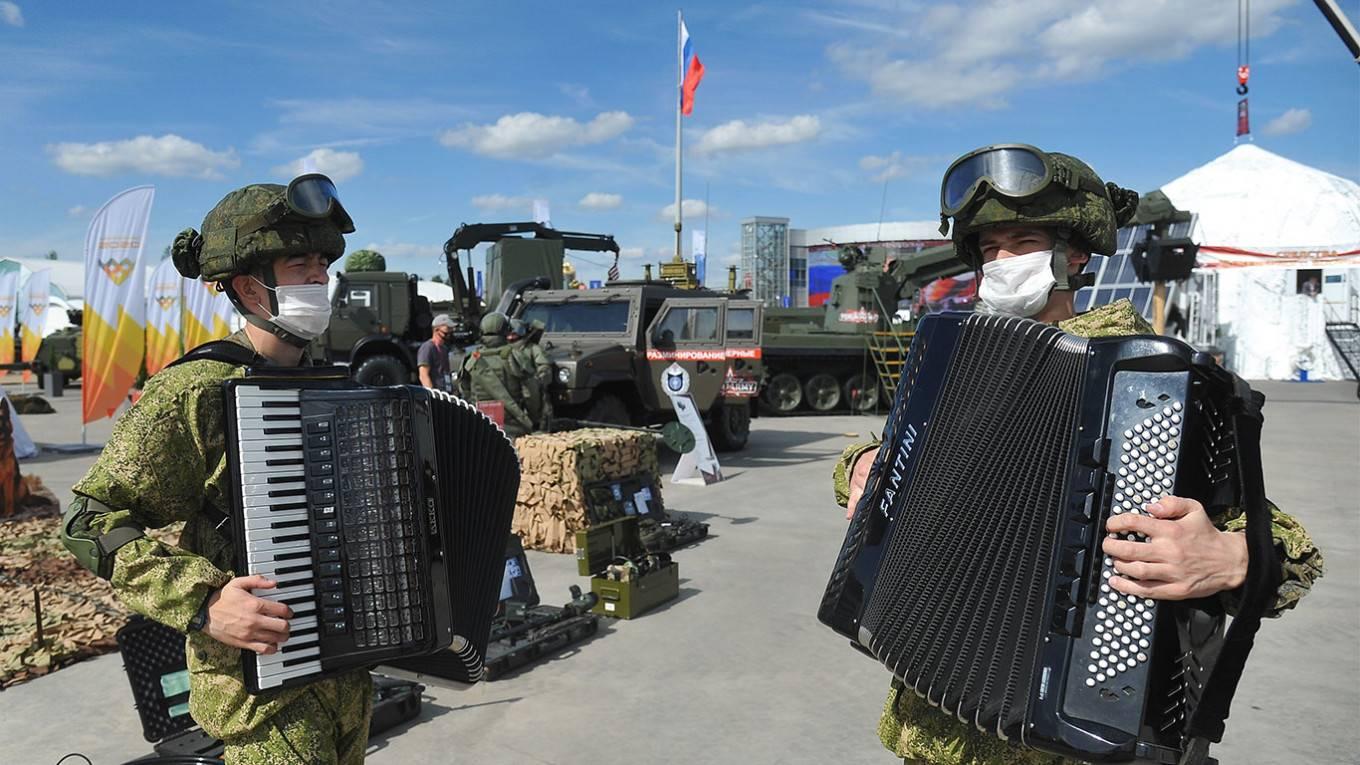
<point>79,611</point>
<point>555,469</point>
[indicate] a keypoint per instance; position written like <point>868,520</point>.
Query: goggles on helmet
<point>1013,170</point>
<point>312,197</point>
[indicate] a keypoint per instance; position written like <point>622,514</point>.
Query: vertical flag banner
<point>162,316</point>
<point>692,71</point>
<point>202,313</point>
<point>33,307</point>
<point>115,309</point>
<point>698,250</point>
<point>9,313</point>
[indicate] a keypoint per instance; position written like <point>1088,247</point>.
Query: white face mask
<point>304,309</point>
<point>1017,286</point>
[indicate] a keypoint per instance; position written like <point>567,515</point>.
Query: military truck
<point>378,322</point>
<point>818,358</point>
<point>610,347</point>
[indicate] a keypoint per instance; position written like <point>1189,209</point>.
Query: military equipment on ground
<point>628,580</point>
<point>819,358</point>
<point>675,436</point>
<point>378,322</point>
<point>525,630</point>
<point>610,346</point>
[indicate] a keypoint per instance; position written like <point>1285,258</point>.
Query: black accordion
<point>973,569</point>
<point>380,513</point>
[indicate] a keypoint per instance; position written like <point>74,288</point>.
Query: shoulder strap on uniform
<point>224,351</point>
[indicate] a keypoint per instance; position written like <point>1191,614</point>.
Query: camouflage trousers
<point>328,724</point>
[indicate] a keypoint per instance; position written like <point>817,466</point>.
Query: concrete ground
<point>738,670</point>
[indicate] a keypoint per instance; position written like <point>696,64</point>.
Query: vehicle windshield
<point>609,318</point>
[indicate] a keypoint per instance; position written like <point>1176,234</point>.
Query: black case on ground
<point>153,656</point>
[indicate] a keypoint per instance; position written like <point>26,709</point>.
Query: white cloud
<point>1292,121</point>
<point>633,252</point>
<point>501,202</point>
<point>339,165</point>
<point>598,200</point>
<point>979,54</point>
<point>739,135</point>
<point>77,211</point>
<point>894,165</point>
<point>692,208</point>
<point>529,135</point>
<point>168,155</point>
<point>11,14</point>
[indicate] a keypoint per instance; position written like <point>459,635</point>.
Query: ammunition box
<point>599,546</point>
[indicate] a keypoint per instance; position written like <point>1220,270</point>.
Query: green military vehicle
<point>378,322</point>
<point>818,358</point>
<point>610,348</point>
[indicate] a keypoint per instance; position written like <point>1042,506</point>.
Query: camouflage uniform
<point>531,365</point>
<point>916,731</point>
<point>489,373</point>
<point>181,414</point>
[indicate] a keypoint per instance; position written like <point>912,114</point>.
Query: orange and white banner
<point>33,307</point>
<point>162,317</point>
<point>9,315</point>
<point>206,313</point>
<point>115,309</point>
<point>1217,256</point>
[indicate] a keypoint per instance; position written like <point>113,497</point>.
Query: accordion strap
<point>1263,572</point>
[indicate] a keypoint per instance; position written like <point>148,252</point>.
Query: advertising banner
<point>9,314</point>
<point>115,309</point>
<point>162,317</point>
<point>33,307</point>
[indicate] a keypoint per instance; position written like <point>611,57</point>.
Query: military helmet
<point>257,223</point>
<point>493,323</point>
<point>1015,184</point>
<point>518,327</point>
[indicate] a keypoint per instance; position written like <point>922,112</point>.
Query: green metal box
<point>599,546</point>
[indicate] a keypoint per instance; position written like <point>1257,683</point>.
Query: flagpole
<point>679,85</point>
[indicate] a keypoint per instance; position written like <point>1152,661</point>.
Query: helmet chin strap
<point>266,277</point>
<point>1065,281</point>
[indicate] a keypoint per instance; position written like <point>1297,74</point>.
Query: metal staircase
<point>888,349</point>
<point>1345,338</point>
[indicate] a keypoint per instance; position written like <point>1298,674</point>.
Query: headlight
<point>564,375</point>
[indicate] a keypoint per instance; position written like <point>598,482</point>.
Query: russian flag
<point>693,69</point>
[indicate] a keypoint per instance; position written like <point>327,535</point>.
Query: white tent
<point>1280,253</point>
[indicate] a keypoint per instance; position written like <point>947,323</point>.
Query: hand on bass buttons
<point>1184,556</point>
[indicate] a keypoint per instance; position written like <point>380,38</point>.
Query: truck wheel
<point>823,392</point>
<point>783,394</point>
<point>609,408</point>
<point>861,393</point>
<point>730,427</point>
<point>381,370</point>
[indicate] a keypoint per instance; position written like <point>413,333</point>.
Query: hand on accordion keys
<point>1184,555</point>
<point>859,476</point>
<point>241,619</point>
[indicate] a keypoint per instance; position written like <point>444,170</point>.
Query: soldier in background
<point>533,369</point>
<point>268,248</point>
<point>489,374</point>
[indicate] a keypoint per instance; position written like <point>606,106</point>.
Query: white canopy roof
<point>1254,200</point>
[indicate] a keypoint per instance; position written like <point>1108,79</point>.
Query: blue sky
<point>429,115</point>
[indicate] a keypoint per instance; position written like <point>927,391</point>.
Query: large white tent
<point>1280,255</point>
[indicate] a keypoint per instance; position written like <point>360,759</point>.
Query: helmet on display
<point>1016,184</point>
<point>255,224</point>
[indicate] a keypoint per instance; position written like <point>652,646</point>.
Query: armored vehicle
<point>59,356</point>
<point>819,358</point>
<point>378,322</point>
<point>611,346</point>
